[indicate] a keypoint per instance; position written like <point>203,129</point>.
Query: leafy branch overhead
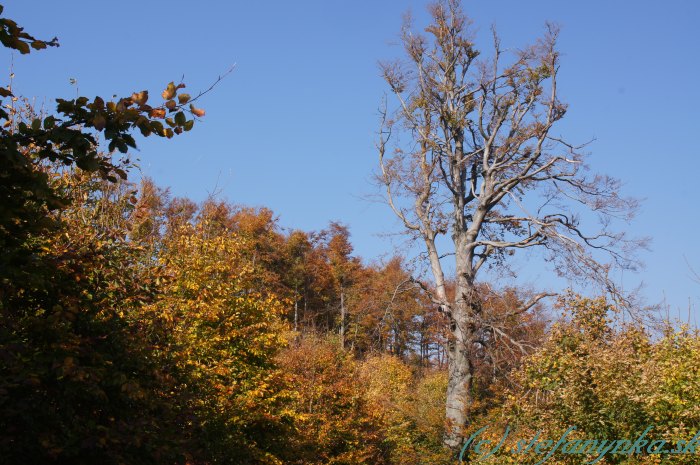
<point>13,36</point>
<point>72,135</point>
<point>63,137</point>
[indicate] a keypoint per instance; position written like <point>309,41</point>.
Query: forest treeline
<point>141,328</point>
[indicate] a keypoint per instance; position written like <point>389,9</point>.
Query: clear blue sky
<point>293,127</point>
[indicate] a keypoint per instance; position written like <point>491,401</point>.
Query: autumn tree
<point>469,152</point>
<point>386,311</point>
<point>217,334</point>
<point>310,281</point>
<point>69,136</point>
<point>610,379</point>
<point>297,247</point>
<point>78,384</point>
<point>344,267</point>
<point>334,424</point>
<point>147,219</point>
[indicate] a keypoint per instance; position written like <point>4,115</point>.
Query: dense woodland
<point>137,327</point>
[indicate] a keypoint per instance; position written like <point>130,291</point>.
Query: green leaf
<point>88,164</point>
<point>180,118</point>
<point>157,127</point>
<point>49,122</point>
<point>129,140</point>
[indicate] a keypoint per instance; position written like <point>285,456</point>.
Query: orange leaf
<point>196,111</point>
<point>157,113</point>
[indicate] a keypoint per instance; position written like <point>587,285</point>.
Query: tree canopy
<point>469,151</point>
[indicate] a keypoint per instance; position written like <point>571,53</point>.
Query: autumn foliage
<point>141,328</point>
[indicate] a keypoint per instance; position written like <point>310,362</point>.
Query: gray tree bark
<point>477,160</point>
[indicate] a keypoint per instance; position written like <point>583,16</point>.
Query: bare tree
<point>469,151</point>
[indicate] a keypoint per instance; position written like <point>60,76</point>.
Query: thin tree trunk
<point>342,318</point>
<point>296,309</point>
